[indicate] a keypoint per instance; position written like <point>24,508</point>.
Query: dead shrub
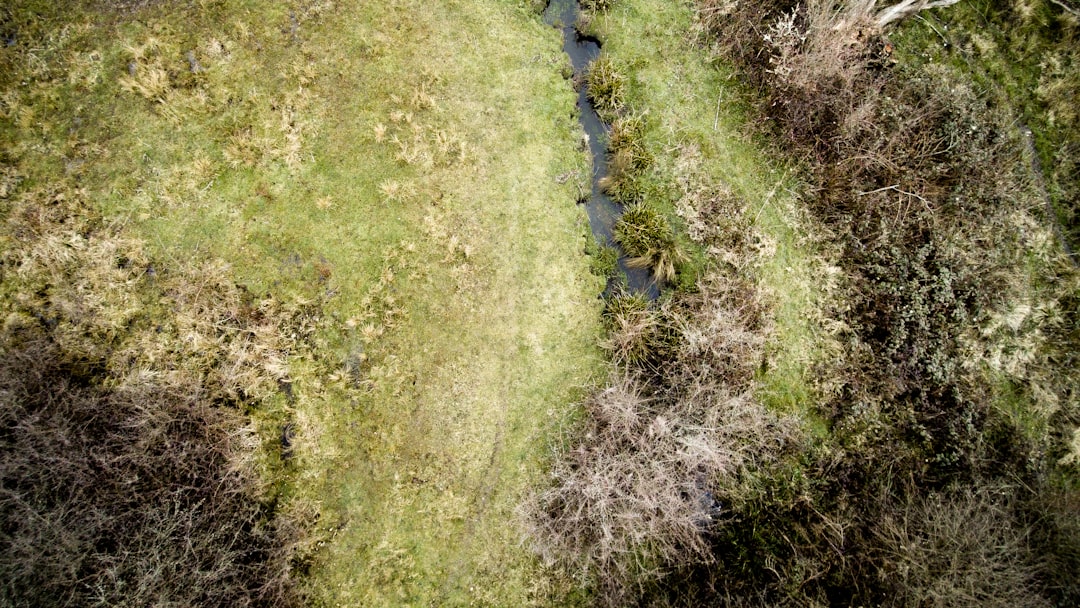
<point>126,497</point>
<point>665,447</point>
<point>962,549</point>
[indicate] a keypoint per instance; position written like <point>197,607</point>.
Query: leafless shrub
<point>126,497</point>
<point>957,550</point>
<point>641,490</point>
<point>649,473</point>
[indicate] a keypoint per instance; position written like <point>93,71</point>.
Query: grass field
<point>343,237</point>
<point>400,164</point>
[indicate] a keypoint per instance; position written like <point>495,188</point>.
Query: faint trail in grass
<point>1040,184</point>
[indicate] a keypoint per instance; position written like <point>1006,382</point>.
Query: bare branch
<point>1065,7</point>
<point>906,8</point>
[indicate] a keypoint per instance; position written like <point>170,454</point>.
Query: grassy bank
<point>705,163</point>
<point>713,395</point>
<point>323,156</point>
<point>866,395</point>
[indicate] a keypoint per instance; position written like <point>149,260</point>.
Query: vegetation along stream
<point>603,211</point>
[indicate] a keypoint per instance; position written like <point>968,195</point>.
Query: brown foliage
<point>126,472</point>
<point>129,496</point>
<point>959,550</point>
<point>665,445</point>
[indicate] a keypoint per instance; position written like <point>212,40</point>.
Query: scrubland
<point>299,308</point>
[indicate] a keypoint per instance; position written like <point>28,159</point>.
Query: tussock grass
<point>606,87</point>
<point>648,240</point>
<point>629,160</point>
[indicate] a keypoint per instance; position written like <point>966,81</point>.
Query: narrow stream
<point>602,210</point>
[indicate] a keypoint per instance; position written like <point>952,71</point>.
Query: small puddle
<point>602,210</point>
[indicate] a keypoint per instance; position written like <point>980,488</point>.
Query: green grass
<point>696,133</point>
<point>396,161</point>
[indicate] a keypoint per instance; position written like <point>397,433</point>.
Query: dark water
<point>603,212</point>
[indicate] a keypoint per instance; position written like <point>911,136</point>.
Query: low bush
<point>130,473</point>
<point>126,497</point>
<point>917,174</point>
<point>663,451</point>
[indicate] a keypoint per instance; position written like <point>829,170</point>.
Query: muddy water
<point>603,211</point>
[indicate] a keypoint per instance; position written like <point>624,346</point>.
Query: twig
<point>944,40</point>
<point>892,187</point>
<point>1065,7</point>
<point>716,119</point>
<point>769,197</point>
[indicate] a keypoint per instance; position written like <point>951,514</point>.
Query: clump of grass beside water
<point>606,87</point>
<point>628,158</point>
<point>647,238</point>
<point>603,259</point>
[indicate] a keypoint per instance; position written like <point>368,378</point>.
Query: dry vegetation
<point>944,473</point>
<point>126,457</point>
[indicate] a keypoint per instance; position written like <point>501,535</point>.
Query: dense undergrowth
<point>944,474</point>
<point>129,468</point>
<point>134,381</point>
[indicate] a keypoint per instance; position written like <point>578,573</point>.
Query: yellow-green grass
<point>697,130</point>
<point>399,161</point>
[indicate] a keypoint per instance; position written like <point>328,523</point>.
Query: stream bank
<point>603,211</point>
